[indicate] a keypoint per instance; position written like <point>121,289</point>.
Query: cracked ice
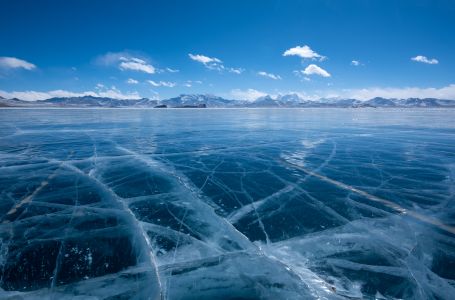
<point>227,204</point>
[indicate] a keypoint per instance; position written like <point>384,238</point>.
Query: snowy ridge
<point>196,100</point>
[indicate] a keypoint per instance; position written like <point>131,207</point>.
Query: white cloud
<point>15,63</point>
<point>204,59</point>
<point>161,83</point>
<point>110,58</point>
<point>236,70</point>
<point>269,75</point>
<point>447,92</point>
<point>137,66</point>
<point>190,83</point>
<point>172,70</point>
<point>166,70</point>
<point>35,95</point>
<point>116,94</point>
<point>133,59</point>
<point>132,81</point>
<point>301,74</point>
<point>249,94</point>
<point>425,60</point>
<point>355,63</point>
<point>315,70</point>
<point>126,61</point>
<point>214,63</point>
<point>304,52</point>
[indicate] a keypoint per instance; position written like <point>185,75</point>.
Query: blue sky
<point>235,49</point>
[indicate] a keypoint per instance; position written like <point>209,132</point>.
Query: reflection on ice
<point>260,204</point>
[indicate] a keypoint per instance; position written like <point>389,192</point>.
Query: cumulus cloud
<point>269,75</point>
<point>249,94</point>
<point>425,60</point>
<point>36,95</point>
<point>126,61</point>
<point>315,70</point>
<point>136,64</point>
<point>132,81</point>
<point>161,83</point>
<point>304,52</point>
<point>15,63</point>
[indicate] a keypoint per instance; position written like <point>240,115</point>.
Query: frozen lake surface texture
<point>227,204</point>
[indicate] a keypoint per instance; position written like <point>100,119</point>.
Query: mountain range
<point>199,100</point>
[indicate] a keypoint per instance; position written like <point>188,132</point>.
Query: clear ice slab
<point>227,204</point>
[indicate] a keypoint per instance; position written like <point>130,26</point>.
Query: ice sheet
<point>227,204</point>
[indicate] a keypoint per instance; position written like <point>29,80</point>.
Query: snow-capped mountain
<point>211,101</point>
<point>90,101</point>
<point>198,100</point>
<point>266,101</point>
<point>382,102</point>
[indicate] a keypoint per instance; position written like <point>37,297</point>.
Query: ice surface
<point>227,204</point>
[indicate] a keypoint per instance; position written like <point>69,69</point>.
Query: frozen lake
<point>227,204</point>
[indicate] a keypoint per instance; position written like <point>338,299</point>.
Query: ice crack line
<point>150,256</point>
<point>30,197</point>
<point>397,208</point>
<point>62,244</point>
